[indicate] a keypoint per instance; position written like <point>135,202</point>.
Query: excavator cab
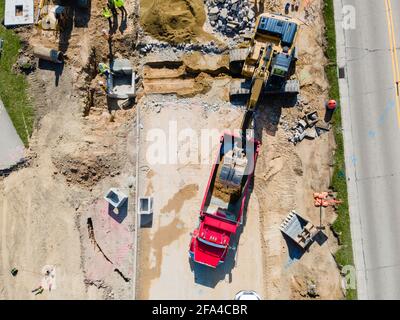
<point>281,67</point>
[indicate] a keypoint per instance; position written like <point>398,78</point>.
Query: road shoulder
<point>355,220</point>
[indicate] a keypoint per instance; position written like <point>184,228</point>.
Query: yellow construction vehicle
<point>54,14</point>
<point>266,63</point>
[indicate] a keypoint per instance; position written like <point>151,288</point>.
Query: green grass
<point>13,87</point>
<point>344,256</point>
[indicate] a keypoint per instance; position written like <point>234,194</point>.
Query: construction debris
<point>231,17</point>
<point>309,127</point>
<point>25,64</point>
<point>165,47</point>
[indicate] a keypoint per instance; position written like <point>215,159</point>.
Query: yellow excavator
<point>267,62</point>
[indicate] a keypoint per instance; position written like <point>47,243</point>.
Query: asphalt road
<point>371,123</point>
<point>11,146</point>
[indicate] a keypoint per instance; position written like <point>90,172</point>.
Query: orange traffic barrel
<point>331,104</point>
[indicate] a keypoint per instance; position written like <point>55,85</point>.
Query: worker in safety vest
<point>104,69</point>
<point>107,14</point>
<point>120,5</point>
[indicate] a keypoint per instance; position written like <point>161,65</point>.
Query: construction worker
<point>104,69</point>
<point>107,14</point>
<point>120,5</point>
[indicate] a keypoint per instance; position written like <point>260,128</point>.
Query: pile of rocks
<point>231,17</point>
<point>310,127</point>
<point>26,63</point>
<point>206,48</point>
<point>157,102</point>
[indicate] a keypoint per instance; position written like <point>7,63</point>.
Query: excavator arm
<point>260,76</point>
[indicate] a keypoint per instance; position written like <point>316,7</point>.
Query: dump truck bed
<point>227,202</point>
<point>221,212</point>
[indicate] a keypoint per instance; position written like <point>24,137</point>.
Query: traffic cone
<point>330,108</point>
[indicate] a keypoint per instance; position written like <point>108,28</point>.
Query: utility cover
<point>18,12</point>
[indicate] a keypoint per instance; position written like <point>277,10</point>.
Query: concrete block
<point>115,197</point>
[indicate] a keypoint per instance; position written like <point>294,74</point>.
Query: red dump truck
<point>223,204</point>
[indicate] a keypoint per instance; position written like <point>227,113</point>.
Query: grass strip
<point>344,256</point>
<point>13,87</point>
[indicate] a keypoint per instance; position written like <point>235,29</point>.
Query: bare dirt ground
<point>286,178</point>
<point>53,212</point>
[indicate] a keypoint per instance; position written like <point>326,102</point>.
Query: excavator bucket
<point>239,89</point>
<point>236,60</point>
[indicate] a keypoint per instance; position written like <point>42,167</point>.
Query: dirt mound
<point>87,170</point>
<point>211,64</point>
<point>174,21</point>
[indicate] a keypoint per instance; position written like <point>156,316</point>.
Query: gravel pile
<point>231,17</point>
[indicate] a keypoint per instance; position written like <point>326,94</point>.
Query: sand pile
<point>175,21</point>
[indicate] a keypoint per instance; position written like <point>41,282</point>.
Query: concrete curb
<point>351,174</point>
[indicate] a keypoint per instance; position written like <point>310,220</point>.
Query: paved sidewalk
<point>11,146</point>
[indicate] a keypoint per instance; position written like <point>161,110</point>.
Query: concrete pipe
<point>48,54</point>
